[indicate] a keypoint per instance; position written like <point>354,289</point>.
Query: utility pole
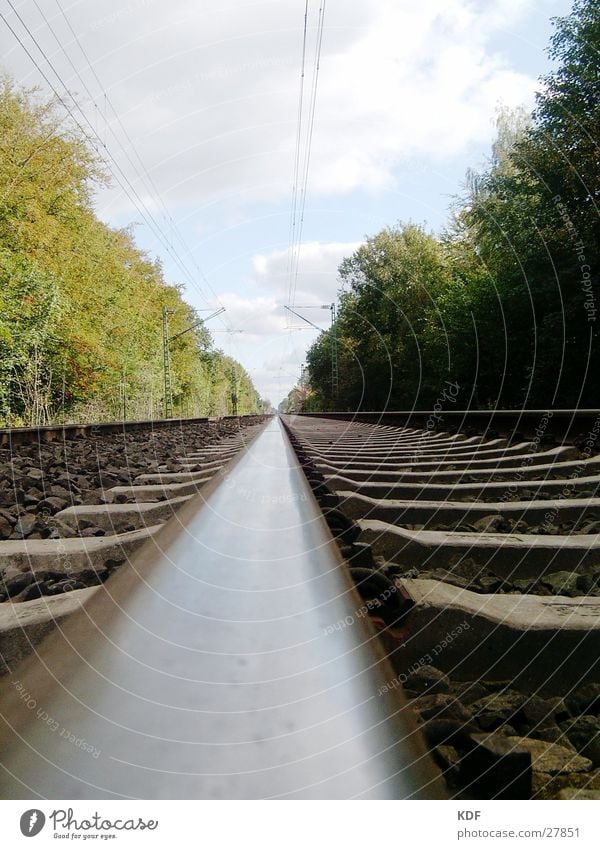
<point>124,395</point>
<point>167,356</point>
<point>167,365</point>
<point>335,385</point>
<point>234,394</point>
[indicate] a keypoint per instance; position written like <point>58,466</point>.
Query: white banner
<point>298,825</point>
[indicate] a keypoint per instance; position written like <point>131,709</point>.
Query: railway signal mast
<point>335,384</point>
<point>167,339</point>
<point>333,337</point>
<point>167,364</point>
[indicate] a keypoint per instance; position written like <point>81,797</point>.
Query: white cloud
<point>419,80</point>
<point>253,316</point>
<point>209,93</point>
<point>318,264</point>
<point>271,354</point>
<point>271,339</point>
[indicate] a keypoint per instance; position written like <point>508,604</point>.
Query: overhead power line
<point>113,166</point>
<point>121,178</point>
<point>301,174</point>
<point>332,339</point>
<point>292,233</point>
<point>146,174</point>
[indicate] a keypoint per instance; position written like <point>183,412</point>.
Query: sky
<point>250,187</point>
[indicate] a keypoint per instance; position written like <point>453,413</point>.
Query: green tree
<point>30,307</point>
<point>391,287</point>
<point>80,304</point>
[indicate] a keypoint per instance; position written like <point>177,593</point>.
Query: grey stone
<point>496,768</point>
<point>469,691</point>
<point>578,793</point>
<point>5,528</point>
<point>36,590</point>
<point>444,732</point>
<point>586,583</point>
<point>52,505</point>
<point>33,496</point>
<point>92,499</point>
<point>428,679</point>
<point>361,555</point>
<point>392,569</point>
<point>7,516</point>
<point>542,712</point>
<point>489,524</point>
<point>562,583</point>
<point>489,584</point>
<point>68,586</point>
<point>441,706</point>
<point>584,733</point>
<point>106,481</point>
<point>448,759</point>
<point>26,524</point>
<point>524,585</point>
<point>497,708</point>
<point>68,482</point>
<point>447,577</point>
<point>13,586</point>
<point>585,699</point>
<point>63,530</point>
<point>60,492</point>
<point>552,757</point>
<point>90,577</point>
<point>549,733</point>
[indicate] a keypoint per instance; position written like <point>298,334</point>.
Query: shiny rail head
<point>214,665</point>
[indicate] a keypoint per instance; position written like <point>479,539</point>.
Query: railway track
<point>198,623</point>
<point>209,664</point>
<point>491,547</point>
<point>76,501</point>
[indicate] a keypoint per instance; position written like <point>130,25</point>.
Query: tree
<point>392,284</point>
<point>30,306</point>
<point>80,304</point>
<point>504,303</point>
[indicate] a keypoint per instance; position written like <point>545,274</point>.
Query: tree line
<point>502,305</point>
<point>80,304</point>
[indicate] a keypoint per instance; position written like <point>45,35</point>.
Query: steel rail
<point>559,424</point>
<point>48,433</point>
<point>226,660</point>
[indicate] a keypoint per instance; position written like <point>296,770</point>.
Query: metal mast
<point>167,356</point>
<point>335,384</point>
<point>167,365</point>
